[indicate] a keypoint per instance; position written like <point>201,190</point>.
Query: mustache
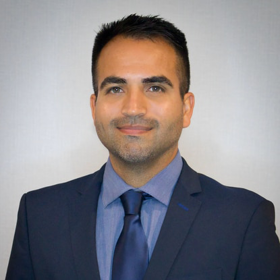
<point>134,120</point>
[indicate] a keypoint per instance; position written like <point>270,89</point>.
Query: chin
<point>133,156</point>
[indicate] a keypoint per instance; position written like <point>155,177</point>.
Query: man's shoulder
<point>205,189</point>
<point>218,194</point>
<point>77,185</point>
<point>211,185</point>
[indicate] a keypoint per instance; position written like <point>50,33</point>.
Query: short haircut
<point>144,27</point>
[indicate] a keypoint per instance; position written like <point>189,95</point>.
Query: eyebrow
<point>157,79</point>
<point>112,80</point>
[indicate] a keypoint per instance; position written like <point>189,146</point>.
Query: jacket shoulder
<point>80,185</point>
<point>211,186</point>
<point>234,200</point>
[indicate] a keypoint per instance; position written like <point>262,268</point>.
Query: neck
<point>138,174</point>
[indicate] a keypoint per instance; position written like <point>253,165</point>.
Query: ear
<point>93,105</point>
<point>188,108</point>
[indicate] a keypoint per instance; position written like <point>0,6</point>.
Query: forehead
<point>126,57</point>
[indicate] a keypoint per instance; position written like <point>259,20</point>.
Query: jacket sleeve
<point>20,264</point>
<point>260,255</point>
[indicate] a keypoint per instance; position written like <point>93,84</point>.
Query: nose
<point>134,103</point>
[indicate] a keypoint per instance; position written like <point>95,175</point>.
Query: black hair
<point>144,27</point>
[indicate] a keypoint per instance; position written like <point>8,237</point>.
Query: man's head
<point>139,28</point>
<point>141,107</point>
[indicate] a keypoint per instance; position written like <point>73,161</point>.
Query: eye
<point>156,89</point>
<point>114,90</point>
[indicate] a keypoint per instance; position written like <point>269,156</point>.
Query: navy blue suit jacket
<point>210,232</point>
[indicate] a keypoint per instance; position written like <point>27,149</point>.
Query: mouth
<point>134,129</point>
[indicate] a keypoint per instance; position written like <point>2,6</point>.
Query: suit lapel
<point>83,210</point>
<point>180,215</point>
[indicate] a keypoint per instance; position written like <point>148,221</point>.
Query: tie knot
<point>132,202</point>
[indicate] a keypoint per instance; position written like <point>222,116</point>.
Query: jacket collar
<point>180,215</point>
<point>83,211</point>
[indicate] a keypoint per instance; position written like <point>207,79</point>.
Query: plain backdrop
<point>47,135</point>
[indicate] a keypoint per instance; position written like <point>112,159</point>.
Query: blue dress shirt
<point>110,211</point>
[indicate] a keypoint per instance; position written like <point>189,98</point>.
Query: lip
<point>134,130</point>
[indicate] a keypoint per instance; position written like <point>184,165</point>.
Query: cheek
<point>159,108</point>
<point>167,112</point>
<point>104,112</point>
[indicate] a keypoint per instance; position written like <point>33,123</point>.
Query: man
<point>191,226</point>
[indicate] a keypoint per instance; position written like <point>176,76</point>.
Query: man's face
<point>139,113</point>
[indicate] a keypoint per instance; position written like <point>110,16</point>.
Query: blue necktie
<point>131,253</point>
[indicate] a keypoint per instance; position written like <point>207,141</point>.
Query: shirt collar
<point>159,187</point>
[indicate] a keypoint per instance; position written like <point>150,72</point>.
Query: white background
<point>47,135</point>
